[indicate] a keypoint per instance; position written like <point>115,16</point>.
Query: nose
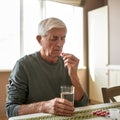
<point>60,42</point>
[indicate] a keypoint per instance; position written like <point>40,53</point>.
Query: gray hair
<point>49,23</point>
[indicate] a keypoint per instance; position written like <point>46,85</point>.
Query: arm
<point>71,62</point>
<point>56,106</point>
<point>17,90</point>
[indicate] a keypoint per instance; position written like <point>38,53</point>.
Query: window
<point>31,17</point>
<point>9,33</point>
<point>19,25</point>
<point>18,29</point>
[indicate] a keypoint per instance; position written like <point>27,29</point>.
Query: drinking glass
<point>67,92</point>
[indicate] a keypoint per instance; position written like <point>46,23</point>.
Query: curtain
<point>71,2</point>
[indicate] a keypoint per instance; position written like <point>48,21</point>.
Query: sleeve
<point>17,90</point>
<point>82,102</point>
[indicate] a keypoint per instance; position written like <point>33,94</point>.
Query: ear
<point>38,37</point>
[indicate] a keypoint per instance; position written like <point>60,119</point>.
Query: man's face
<point>53,42</point>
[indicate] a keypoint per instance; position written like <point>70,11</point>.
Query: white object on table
<point>114,114</point>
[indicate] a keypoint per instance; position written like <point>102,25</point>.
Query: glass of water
<point>67,92</point>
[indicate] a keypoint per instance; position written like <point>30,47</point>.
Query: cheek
<point>48,47</point>
<point>44,44</point>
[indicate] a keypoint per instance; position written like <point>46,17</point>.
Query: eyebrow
<point>54,36</point>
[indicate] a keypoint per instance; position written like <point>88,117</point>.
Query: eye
<point>54,38</point>
<point>63,38</point>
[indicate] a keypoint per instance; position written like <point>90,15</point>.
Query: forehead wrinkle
<point>56,36</point>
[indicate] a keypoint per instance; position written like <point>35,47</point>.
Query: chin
<point>56,55</point>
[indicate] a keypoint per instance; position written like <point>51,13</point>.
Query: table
<point>81,113</point>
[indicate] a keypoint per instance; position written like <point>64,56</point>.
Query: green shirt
<point>34,80</point>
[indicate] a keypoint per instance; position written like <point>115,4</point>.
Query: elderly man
<point>34,83</point>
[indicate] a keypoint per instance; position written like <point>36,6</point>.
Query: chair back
<point>109,94</point>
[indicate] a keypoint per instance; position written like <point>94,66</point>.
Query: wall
<point>98,51</point>
<point>3,82</point>
<point>114,31</point>
<point>89,5</point>
<point>114,42</point>
<point>82,73</point>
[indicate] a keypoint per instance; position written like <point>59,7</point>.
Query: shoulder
<point>28,58</point>
<point>25,61</point>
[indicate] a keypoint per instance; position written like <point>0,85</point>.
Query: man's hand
<point>71,62</point>
<point>58,106</point>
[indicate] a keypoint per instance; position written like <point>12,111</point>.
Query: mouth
<point>57,52</point>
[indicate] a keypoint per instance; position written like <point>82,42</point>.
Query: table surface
<point>81,113</point>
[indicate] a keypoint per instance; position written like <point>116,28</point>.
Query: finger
<point>70,62</point>
<point>63,109</point>
<point>66,105</point>
<point>64,113</point>
<point>70,57</point>
<point>65,102</point>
